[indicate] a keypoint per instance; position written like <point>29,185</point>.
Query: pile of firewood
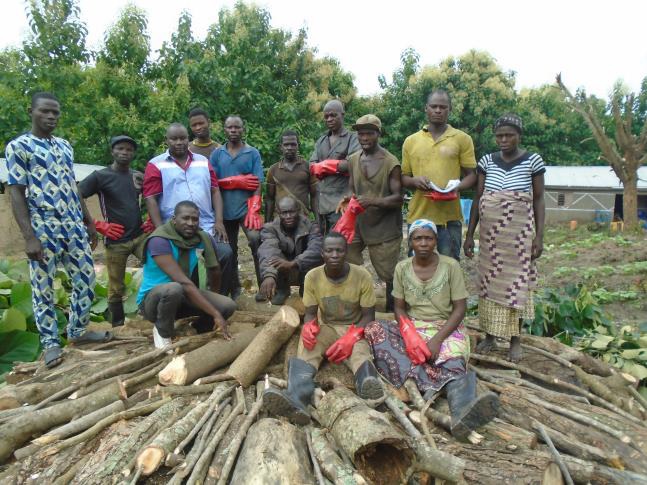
<point>120,412</point>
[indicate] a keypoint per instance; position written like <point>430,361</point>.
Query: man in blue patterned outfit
<point>51,217</point>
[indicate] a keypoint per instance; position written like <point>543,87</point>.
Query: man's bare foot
<point>486,346</point>
<point>515,352</point>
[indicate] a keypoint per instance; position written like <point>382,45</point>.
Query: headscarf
<point>422,224</point>
<point>509,119</point>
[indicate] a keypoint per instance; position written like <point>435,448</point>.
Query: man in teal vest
<point>167,291</point>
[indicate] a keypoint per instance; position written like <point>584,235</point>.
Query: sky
<point>592,43</point>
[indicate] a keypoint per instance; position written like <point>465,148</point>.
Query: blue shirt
<point>45,167</point>
<point>153,274</point>
<point>246,161</point>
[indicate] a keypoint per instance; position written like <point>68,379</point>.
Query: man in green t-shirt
<point>340,302</point>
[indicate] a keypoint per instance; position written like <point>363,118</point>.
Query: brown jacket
<point>305,247</point>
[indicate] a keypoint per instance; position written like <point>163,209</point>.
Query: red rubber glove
<point>253,219</point>
<point>417,349</point>
<point>325,168</point>
<point>346,223</point>
<point>343,347</point>
<point>441,196</point>
<point>148,226</point>
<point>111,230</point>
<point>309,333</point>
<point>242,182</point>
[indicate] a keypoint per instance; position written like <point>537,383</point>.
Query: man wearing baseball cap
<point>373,216</point>
<point>118,188</point>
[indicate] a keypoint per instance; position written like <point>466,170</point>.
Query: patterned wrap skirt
<point>393,363</point>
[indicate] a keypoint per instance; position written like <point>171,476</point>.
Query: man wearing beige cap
<point>377,198</point>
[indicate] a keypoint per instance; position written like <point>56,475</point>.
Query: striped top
<point>516,175</point>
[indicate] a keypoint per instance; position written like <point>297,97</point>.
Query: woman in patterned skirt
<point>509,202</point>
<point>428,342</point>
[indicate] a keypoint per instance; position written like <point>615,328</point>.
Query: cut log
<point>379,450</point>
<point>251,362</point>
<point>186,368</point>
<point>552,475</point>
<point>238,441</point>
<point>17,431</point>
<point>222,452</point>
<point>275,452</point>
<point>153,455</point>
<point>332,465</point>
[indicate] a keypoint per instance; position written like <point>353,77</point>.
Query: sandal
<point>92,337</point>
<point>53,356</point>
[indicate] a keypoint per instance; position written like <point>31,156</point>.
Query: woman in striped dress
<point>509,203</point>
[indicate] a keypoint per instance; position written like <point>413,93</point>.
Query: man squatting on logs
<point>170,263</point>
<point>342,295</point>
<point>290,247</point>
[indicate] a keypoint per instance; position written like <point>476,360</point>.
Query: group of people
<point>320,215</point>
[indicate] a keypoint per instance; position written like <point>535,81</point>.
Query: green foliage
<point>19,340</point>
<point>625,349</point>
<point>566,313</point>
<point>17,346</point>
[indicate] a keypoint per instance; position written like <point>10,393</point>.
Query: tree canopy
<point>270,77</point>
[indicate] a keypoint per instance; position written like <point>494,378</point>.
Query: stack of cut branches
<point>124,413</point>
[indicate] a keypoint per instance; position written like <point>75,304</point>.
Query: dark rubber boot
<point>468,410</point>
<point>117,316</point>
<point>389,298</point>
<point>367,382</point>
<point>293,402</point>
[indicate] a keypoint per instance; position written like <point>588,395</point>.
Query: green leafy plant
<point>566,313</point>
<point>625,348</point>
<point>19,339</point>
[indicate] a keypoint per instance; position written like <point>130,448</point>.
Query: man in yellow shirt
<point>439,153</point>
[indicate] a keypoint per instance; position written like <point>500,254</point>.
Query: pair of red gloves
<point>115,231</point>
<point>341,349</point>
<point>441,196</point>
<point>346,223</point>
<point>325,168</point>
<point>253,219</point>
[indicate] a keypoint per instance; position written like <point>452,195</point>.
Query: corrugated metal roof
<point>597,178</point>
<point>81,170</point>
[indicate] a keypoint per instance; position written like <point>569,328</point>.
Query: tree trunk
<point>379,450</point>
<point>630,200</point>
<point>186,368</point>
<point>251,362</point>
<point>153,455</point>
<point>19,430</point>
<point>332,466</point>
<point>275,452</point>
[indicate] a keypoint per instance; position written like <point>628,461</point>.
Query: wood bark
<point>17,431</point>
<point>275,452</point>
<point>153,455</point>
<point>332,466</point>
<point>187,367</point>
<point>251,362</point>
<point>222,452</point>
<point>238,440</point>
<point>512,399</point>
<point>379,450</point>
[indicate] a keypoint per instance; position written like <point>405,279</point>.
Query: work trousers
<point>384,256</point>
<point>116,260</point>
<point>165,303</point>
<point>254,241</point>
<point>328,336</point>
<point>75,255</point>
<point>327,221</point>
